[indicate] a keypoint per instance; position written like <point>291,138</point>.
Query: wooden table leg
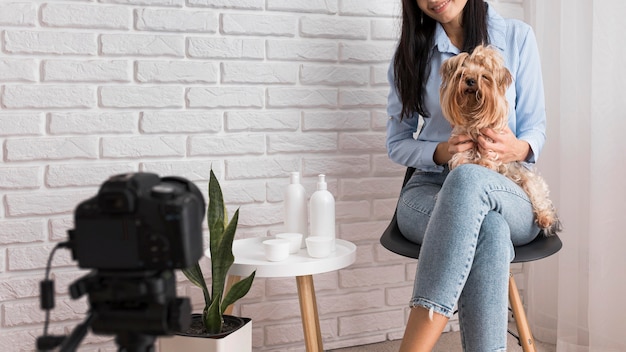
<point>525,336</point>
<point>310,317</point>
<point>232,279</point>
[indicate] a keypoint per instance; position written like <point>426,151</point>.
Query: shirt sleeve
<point>402,147</point>
<point>530,105</point>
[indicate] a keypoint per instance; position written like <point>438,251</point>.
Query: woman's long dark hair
<point>411,63</point>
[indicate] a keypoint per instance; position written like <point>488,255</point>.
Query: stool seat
<point>541,247</point>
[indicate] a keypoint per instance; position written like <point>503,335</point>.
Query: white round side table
<point>249,256</point>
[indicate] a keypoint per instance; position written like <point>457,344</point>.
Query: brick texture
<point>253,89</point>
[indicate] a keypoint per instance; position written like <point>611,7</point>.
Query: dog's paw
<point>544,221</point>
<point>549,223</point>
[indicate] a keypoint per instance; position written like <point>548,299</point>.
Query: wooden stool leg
<point>525,336</point>
<point>310,318</point>
<point>232,279</point>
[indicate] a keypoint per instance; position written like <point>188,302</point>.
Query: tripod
<point>126,341</point>
<point>135,306</point>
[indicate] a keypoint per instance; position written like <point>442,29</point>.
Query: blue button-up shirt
<point>527,117</point>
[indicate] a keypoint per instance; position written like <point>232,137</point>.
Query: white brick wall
<point>253,88</point>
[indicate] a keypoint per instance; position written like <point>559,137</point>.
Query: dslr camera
<point>139,222</point>
<point>132,234</point>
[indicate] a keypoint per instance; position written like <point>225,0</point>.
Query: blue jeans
<point>467,221</point>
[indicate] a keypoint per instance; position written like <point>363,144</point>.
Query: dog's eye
<point>485,77</point>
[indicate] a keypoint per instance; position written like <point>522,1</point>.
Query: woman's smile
<point>442,11</point>
<point>441,7</point>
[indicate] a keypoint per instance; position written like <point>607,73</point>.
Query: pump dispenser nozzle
<point>321,182</point>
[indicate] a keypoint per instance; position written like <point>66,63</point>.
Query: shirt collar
<point>496,27</point>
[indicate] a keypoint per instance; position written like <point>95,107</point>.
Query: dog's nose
<point>470,82</point>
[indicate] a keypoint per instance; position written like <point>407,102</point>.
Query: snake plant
<point>221,235</point>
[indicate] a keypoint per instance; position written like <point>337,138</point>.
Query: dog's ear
<point>496,62</point>
<point>505,78</point>
<point>450,66</point>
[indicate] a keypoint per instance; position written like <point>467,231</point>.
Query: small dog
<point>472,97</point>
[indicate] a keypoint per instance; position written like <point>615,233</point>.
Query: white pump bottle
<point>322,210</point>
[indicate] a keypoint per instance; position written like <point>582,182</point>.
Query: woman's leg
<point>414,209</point>
<point>422,330</point>
<point>453,246</point>
<point>484,296</point>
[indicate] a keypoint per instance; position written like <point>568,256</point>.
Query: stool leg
<point>525,336</point>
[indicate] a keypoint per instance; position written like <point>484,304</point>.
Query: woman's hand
<point>455,144</point>
<point>502,145</point>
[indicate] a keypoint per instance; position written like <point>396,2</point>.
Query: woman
<point>468,219</point>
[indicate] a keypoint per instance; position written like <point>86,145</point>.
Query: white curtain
<point>577,299</point>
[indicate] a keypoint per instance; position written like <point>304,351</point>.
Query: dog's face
<point>473,88</point>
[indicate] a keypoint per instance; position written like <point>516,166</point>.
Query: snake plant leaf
<point>237,291</point>
<point>215,212</point>
<point>195,276</point>
<point>213,318</point>
<point>222,257</point>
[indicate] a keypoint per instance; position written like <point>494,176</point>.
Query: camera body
<point>139,221</point>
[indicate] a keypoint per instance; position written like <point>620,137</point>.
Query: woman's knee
<point>468,175</point>
<point>466,185</point>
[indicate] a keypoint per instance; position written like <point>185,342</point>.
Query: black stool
<point>539,248</point>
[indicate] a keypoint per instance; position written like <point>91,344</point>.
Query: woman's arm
<point>402,147</point>
<point>530,106</point>
<point>526,142</point>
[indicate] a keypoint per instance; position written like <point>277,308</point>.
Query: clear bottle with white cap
<point>295,214</point>
<point>322,210</point>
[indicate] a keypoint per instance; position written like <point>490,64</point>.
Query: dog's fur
<point>472,95</point>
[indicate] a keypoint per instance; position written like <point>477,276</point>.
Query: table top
<point>250,256</point>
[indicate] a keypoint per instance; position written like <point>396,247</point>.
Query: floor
<point>449,342</point>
